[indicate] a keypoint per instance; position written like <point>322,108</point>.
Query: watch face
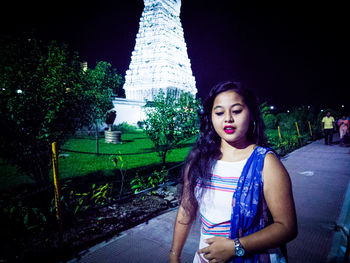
<point>239,252</point>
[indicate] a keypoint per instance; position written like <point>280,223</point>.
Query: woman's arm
<point>183,223</point>
<point>279,198</point>
<point>182,228</point>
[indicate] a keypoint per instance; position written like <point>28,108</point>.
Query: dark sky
<point>289,54</point>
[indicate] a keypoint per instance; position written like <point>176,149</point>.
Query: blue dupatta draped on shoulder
<point>250,213</point>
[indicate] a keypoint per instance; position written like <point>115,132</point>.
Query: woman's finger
<point>204,250</point>
<point>208,256</point>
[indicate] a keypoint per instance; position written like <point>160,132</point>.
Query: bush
<point>290,141</point>
<point>171,120</point>
<point>141,124</point>
<point>270,121</point>
<point>45,96</point>
<point>286,121</point>
<point>141,183</point>
<point>125,127</point>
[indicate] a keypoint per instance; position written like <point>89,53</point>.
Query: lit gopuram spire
<point>159,60</point>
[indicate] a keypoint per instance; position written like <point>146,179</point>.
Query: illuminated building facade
<point>159,60</point>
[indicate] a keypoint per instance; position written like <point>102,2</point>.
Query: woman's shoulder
<point>267,155</point>
<point>264,150</point>
<point>273,165</point>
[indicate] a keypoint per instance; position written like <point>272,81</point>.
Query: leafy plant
<point>14,212</point>
<point>122,169</point>
<point>141,124</point>
<point>270,121</point>
<point>290,141</point>
<point>171,120</point>
<point>125,127</point>
<point>141,183</point>
<point>45,95</point>
<point>99,195</point>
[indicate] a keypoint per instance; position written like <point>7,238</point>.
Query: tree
<point>171,121</point>
<point>102,81</point>
<point>269,119</point>
<point>44,97</point>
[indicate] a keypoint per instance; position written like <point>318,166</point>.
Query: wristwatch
<point>239,248</point>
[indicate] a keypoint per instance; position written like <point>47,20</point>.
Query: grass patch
<point>73,164</point>
<point>142,159</point>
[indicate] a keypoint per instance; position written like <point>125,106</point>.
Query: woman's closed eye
<point>236,111</point>
<point>219,113</point>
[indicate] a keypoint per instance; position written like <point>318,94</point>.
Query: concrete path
<point>320,175</point>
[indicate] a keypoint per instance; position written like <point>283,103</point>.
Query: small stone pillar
<point>110,135</point>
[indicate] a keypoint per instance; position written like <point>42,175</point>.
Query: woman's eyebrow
<point>233,105</point>
<point>218,106</point>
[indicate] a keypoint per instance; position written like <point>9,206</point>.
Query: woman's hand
<point>220,249</point>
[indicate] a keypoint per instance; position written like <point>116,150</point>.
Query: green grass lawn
<point>142,157</point>
<point>72,164</point>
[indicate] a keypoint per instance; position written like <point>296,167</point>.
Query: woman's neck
<point>237,152</point>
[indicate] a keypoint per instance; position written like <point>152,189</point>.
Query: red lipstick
<point>229,129</point>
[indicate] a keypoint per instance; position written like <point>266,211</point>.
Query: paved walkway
<point>320,175</point>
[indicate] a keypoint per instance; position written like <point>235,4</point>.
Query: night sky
<point>289,54</point>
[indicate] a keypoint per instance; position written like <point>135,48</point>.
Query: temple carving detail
<point>159,60</point>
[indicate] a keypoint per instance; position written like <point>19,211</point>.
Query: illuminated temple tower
<point>159,60</point>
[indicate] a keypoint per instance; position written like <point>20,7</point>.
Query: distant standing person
<point>343,124</point>
<point>328,125</point>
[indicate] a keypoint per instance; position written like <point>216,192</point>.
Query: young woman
<point>343,124</point>
<point>239,187</point>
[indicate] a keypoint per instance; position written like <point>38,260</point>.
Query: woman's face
<point>230,117</point>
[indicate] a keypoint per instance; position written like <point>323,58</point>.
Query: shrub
<point>171,121</point>
<point>270,121</point>
<point>125,127</point>
<point>141,183</point>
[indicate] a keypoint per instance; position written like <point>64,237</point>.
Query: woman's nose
<point>228,118</point>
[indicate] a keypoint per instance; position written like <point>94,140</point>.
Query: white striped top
<point>215,207</point>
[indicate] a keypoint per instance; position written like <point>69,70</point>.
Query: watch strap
<point>238,248</point>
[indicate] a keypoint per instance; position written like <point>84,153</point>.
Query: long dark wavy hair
<point>206,151</point>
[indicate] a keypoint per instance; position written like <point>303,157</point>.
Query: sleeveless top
<point>233,205</point>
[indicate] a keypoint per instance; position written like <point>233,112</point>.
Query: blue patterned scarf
<point>250,213</point>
